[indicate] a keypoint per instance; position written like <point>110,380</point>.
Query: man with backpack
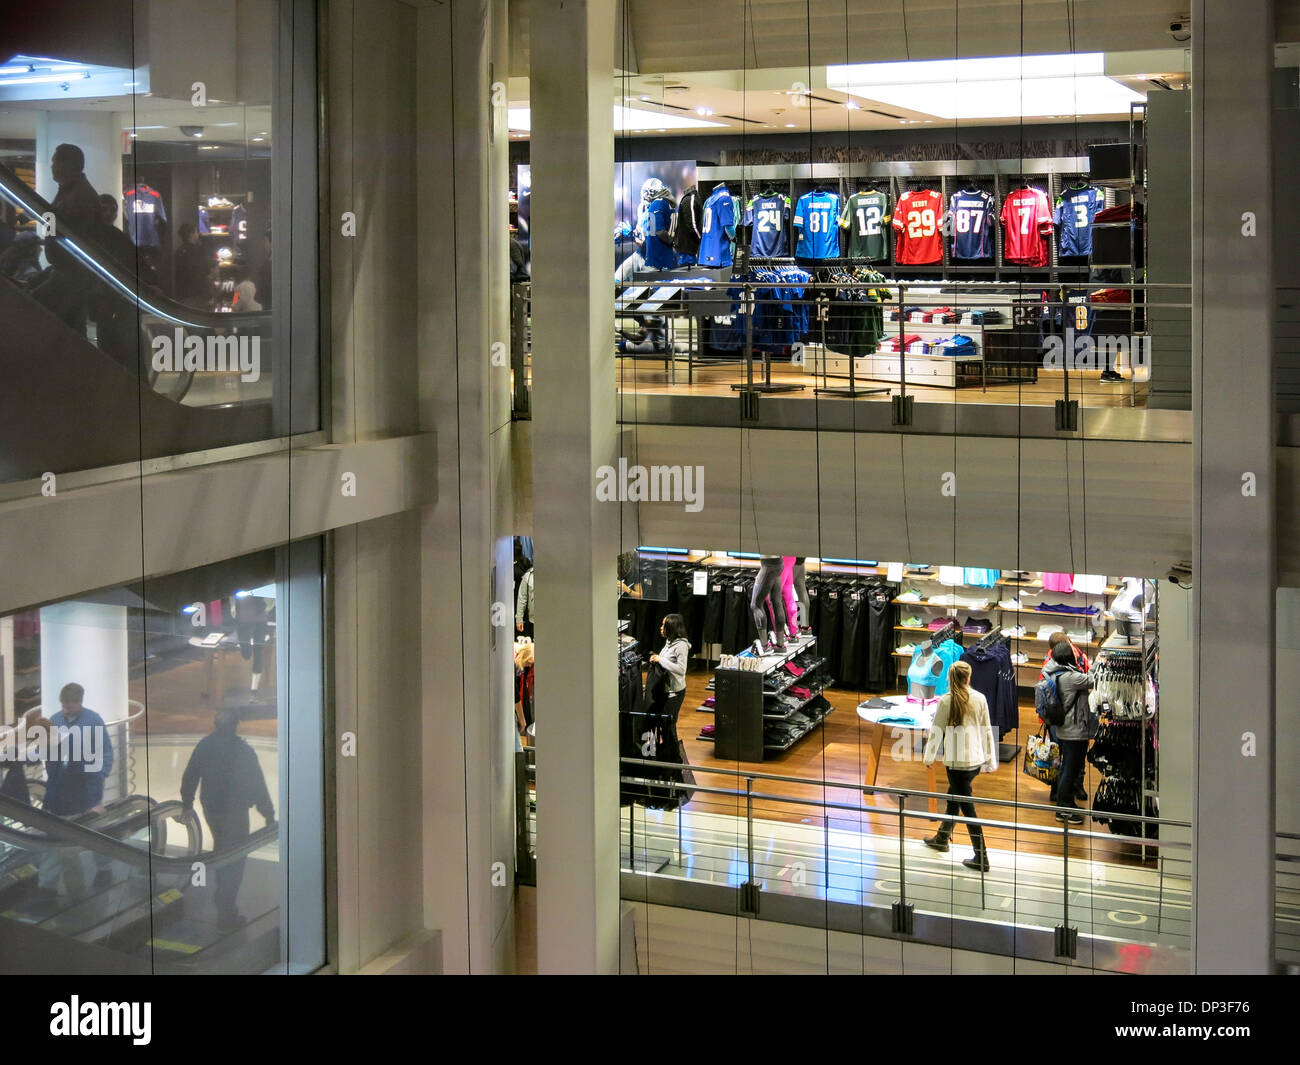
<point>1061,699</point>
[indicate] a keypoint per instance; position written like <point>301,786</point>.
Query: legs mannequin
<point>768,584</point>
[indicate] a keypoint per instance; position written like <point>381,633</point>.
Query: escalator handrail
<point>18,193</point>
<point>58,830</point>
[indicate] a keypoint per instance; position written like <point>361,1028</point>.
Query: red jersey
<point>916,219</point>
<point>1027,221</point>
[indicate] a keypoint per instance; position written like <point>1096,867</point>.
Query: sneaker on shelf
<point>912,595</point>
<point>1010,604</point>
<point>1111,377</point>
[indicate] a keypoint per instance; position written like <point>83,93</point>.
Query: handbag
<point>1042,758</point>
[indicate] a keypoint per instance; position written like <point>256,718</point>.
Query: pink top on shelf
<point>1058,582</point>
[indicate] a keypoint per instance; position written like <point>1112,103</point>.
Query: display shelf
<point>790,681</point>
<point>772,748</point>
<point>795,709</point>
<point>947,606</point>
<point>777,659</point>
<point>1050,614</point>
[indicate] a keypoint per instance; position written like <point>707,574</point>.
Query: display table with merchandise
<point>899,712</point>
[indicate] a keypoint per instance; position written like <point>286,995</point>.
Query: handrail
<point>924,815</point>
<point>56,828</point>
<point>876,789</point>
<point>86,250</point>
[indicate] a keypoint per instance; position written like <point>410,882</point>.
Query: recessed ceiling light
<point>790,125</point>
<point>704,111</point>
<point>850,105</point>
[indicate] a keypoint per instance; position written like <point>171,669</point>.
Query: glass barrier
<point>143,748</point>
<point>140,183</point>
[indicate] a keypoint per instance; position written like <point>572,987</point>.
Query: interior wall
<point>1082,506</point>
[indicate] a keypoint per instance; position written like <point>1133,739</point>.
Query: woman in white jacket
<point>963,735</point>
<point>674,657</point>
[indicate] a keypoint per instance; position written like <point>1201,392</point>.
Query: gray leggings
<point>768,585</point>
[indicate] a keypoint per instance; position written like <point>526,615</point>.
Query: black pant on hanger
<point>880,637</point>
<point>828,639</point>
<point>853,637</point>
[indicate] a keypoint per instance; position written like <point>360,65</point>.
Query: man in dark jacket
<point>76,214</point>
<point>193,283</point>
<point>231,779</point>
<point>1074,732</point>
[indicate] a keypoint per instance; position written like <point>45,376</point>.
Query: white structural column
<point>86,644</point>
<point>574,433</point>
<point>99,136</point>
<point>1235,540</point>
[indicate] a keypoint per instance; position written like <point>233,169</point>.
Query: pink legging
<point>787,593</point>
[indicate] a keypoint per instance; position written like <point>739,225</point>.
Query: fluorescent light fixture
<point>626,120</point>
<point>43,79</point>
<point>143,127</point>
<point>1032,86</point>
<point>17,68</point>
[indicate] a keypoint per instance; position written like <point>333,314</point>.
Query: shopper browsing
<point>1074,732</point>
<point>963,735</point>
<point>1055,639</point>
<point>525,619</point>
<point>673,658</point>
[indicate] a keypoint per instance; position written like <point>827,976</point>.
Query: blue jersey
<point>817,219</point>
<point>767,218</point>
<point>1075,210</point>
<point>657,218</point>
<point>972,216</point>
<point>719,214</point>
<point>142,206</point>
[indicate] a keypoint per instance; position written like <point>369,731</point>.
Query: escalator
<point>71,404</point>
<point>124,894</point>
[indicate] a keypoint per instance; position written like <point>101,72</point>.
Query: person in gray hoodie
<point>674,657</point>
<point>1074,732</point>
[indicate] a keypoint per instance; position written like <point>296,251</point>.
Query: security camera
<point>1180,573</point>
<point>1181,31</point>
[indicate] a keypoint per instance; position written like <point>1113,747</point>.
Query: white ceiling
<point>674,35</point>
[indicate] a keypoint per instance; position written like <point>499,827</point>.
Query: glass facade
<point>144,168</point>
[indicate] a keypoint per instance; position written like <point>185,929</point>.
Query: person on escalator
<point>225,772</point>
<point>75,775</point>
<point>113,313</point>
<point>193,271</point>
<point>76,210</point>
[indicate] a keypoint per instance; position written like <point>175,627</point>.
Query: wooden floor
<point>647,374</point>
<point>839,753</point>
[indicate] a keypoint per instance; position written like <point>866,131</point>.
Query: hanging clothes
<point>994,676</point>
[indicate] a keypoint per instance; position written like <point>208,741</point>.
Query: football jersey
<point>143,207</point>
<point>916,221</point>
<point>767,218</point>
<point>657,218</point>
<point>719,214</point>
<point>972,224</point>
<point>864,216</point>
<point>1027,219</point>
<point>816,217</point>
<point>1076,209</point>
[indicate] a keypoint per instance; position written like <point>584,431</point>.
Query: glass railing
<point>687,341</point>
<point>851,858</point>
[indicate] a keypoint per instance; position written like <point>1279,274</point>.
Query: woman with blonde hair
<point>963,735</point>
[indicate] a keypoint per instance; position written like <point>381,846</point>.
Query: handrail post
<point>749,889</point>
<point>1067,938</point>
<point>904,911</point>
